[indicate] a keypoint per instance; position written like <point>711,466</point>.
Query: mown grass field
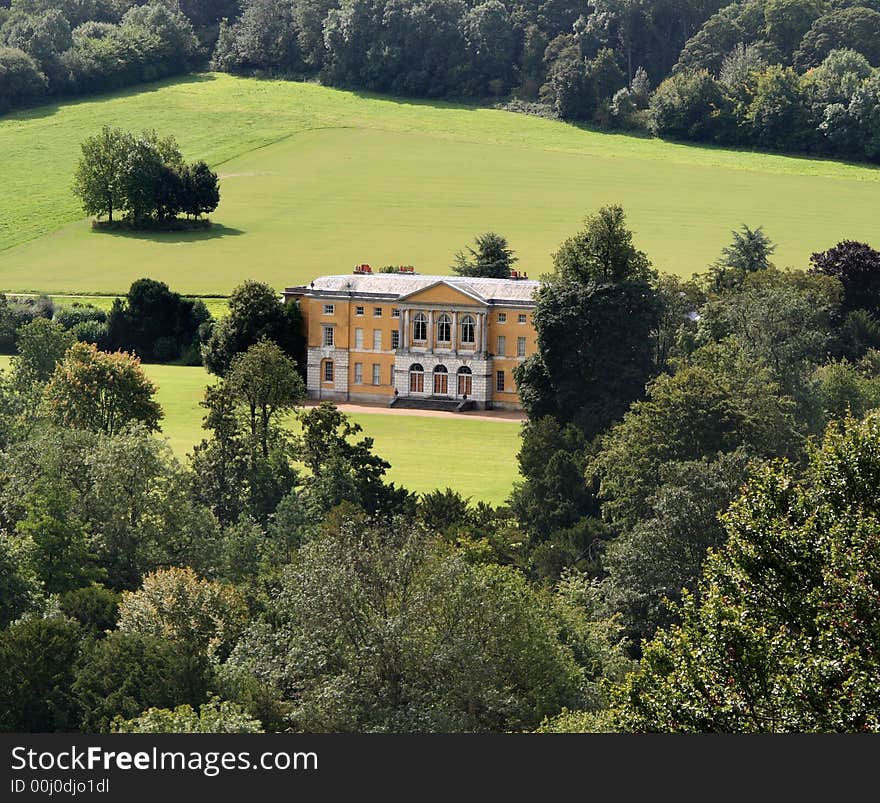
<point>477,458</point>
<point>316,180</point>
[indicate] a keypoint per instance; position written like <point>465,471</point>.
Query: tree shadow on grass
<point>216,231</point>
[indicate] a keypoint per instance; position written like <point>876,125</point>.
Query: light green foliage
<point>41,345</point>
<point>266,383</point>
<point>176,604</point>
<point>215,716</point>
<point>102,392</point>
<point>54,542</point>
<point>846,390</point>
<point>424,174</point>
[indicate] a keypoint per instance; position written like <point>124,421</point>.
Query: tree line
<point>789,75</point>
<point>158,325</point>
<point>691,546</point>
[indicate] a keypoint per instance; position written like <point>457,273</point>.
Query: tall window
<point>329,309</point>
<point>328,336</point>
<point>358,373</point>
<point>420,327</point>
<point>416,379</point>
<point>499,381</point>
<point>395,339</point>
<point>444,329</point>
<point>358,338</point>
<point>377,374</point>
<point>441,381</point>
<point>468,329</point>
<point>377,339</point>
<point>465,381</point>
<point>328,370</point>
<point>520,347</point>
<point>502,345</point>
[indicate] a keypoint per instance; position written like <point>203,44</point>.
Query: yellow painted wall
<point>346,320</point>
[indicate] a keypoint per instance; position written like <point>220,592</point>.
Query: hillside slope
<point>316,180</point>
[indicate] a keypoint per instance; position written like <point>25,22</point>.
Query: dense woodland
<point>692,546</point>
<point>789,75</point>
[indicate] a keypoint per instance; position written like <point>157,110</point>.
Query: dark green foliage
<point>124,674</point>
<point>719,402</point>
<point>18,591</point>
<point>37,660</point>
<point>155,323</point>
<point>603,251</point>
<point>264,37</point>
<point>93,606</point>
<point>690,105</point>
<point>649,565</point>
<point>492,258</point>
<point>784,636</point>
<point>594,341</point>
<point>344,470</point>
<point>856,28</point>
<point>255,312</point>
<point>20,79</point>
<point>375,630</point>
<point>41,345</point>
<point>749,251</point>
<point>857,267</point>
<point>143,176</point>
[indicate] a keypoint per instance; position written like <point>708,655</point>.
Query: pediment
<point>444,293</point>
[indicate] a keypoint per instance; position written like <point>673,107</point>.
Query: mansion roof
<point>392,286</point>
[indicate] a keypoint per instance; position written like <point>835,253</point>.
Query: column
<point>454,343</point>
<point>478,336</point>
<point>430,342</point>
<point>406,329</point>
<point>400,330</point>
<point>484,328</point>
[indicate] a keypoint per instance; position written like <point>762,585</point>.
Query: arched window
<point>328,370</point>
<point>465,381</point>
<point>420,327</point>
<point>468,329</point>
<point>444,329</point>
<point>441,381</point>
<point>416,379</point>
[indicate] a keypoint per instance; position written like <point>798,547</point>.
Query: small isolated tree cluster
<point>143,177</point>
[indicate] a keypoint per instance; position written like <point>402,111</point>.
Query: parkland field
<point>473,456</point>
<point>315,180</point>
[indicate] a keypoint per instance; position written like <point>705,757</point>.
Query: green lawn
<point>317,180</point>
<point>477,458</point>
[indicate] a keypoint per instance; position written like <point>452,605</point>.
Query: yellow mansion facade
<point>417,340</point>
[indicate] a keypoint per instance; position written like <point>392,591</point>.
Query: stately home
<point>411,340</point>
